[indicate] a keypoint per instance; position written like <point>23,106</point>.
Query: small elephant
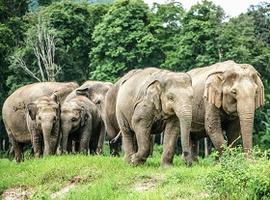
<point>152,101</point>
<point>226,95</point>
<point>18,106</point>
<point>96,92</point>
<point>80,122</point>
<point>43,121</point>
<point>112,128</point>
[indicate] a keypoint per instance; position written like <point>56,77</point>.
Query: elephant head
<point>172,94</point>
<point>73,118</point>
<point>96,93</point>
<point>46,113</point>
<point>238,90</point>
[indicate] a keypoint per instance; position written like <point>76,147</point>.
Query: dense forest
<point>80,40</point>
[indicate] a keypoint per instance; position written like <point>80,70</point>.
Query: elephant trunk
<point>49,143</point>
<point>65,134</point>
<point>185,118</point>
<point>246,117</point>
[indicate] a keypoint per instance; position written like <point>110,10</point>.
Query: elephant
<point>96,92</point>
<point>111,124</point>
<point>152,101</point>
<point>80,122</point>
<point>226,95</point>
<point>31,113</point>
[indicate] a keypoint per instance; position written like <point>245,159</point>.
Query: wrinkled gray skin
<point>225,98</point>
<point>31,113</point>
<point>96,92</point>
<point>152,101</point>
<point>80,122</point>
<point>111,123</point>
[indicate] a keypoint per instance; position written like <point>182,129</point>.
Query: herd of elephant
<point>217,101</point>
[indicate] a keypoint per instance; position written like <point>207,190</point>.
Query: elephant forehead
<point>72,105</point>
<point>180,78</point>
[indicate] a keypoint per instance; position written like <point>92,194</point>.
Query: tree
<point>123,41</point>
<point>166,25</point>
<point>197,43</point>
<point>261,16</point>
<point>69,25</point>
<point>42,43</point>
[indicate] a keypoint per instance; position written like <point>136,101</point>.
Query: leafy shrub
<point>237,177</point>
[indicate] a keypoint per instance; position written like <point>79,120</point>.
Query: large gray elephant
<point>112,128</point>
<point>80,122</point>
<point>32,113</point>
<point>226,95</point>
<point>152,101</point>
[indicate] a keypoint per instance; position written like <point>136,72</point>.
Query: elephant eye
<point>39,118</point>
<point>73,119</point>
<point>171,98</point>
<point>233,91</point>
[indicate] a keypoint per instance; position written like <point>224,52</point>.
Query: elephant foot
<point>99,151</point>
<point>188,159</point>
<point>167,165</point>
<point>135,160</point>
<point>115,154</point>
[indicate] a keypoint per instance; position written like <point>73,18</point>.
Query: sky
<point>231,7</point>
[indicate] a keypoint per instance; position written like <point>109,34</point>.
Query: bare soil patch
<point>146,184</point>
<point>17,193</point>
<point>72,183</point>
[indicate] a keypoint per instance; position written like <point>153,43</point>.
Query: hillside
<point>97,177</point>
<point>104,177</point>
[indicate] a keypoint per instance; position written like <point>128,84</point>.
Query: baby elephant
<point>80,122</point>
<point>152,101</point>
<point>43,120</point>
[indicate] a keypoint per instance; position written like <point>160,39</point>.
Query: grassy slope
<point>106,178</point>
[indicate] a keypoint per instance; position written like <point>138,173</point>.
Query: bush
<point>239,178</point>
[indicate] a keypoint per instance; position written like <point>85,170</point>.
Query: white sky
<point>231,7</point>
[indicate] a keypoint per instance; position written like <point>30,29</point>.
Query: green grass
<point>104,177</point>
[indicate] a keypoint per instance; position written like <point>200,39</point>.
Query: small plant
<point>238,177</point>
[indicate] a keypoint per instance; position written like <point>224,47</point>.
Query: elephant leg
<point>171,133</point>
<point>152,142</point>
<point>101,139</point>
<point>18,151</point>
<point>213,126</point>
<point>16,147</point>
<point>194,149</point>
<point>115,147</point>
<point>143,136</point>
<point>233,132</point>
<point>76,146</point>
<point>84,144</point>
<point>37,145</point>
<point>128,140</point>
<point>69,145</point>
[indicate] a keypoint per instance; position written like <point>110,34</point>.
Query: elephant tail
<point>114,140</point>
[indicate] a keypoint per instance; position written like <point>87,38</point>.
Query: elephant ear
<point>84,116</point>
<point>54,97</point>
<point>213,89</point>
<point>259,99</point>
<point>153,92</point>
<point>32,110</point>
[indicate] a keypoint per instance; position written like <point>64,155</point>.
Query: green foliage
<point>197,43</point>
<point>123,41</point>
<point>239,178</point>
<point>166,25</point>
<point>261,15</point>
